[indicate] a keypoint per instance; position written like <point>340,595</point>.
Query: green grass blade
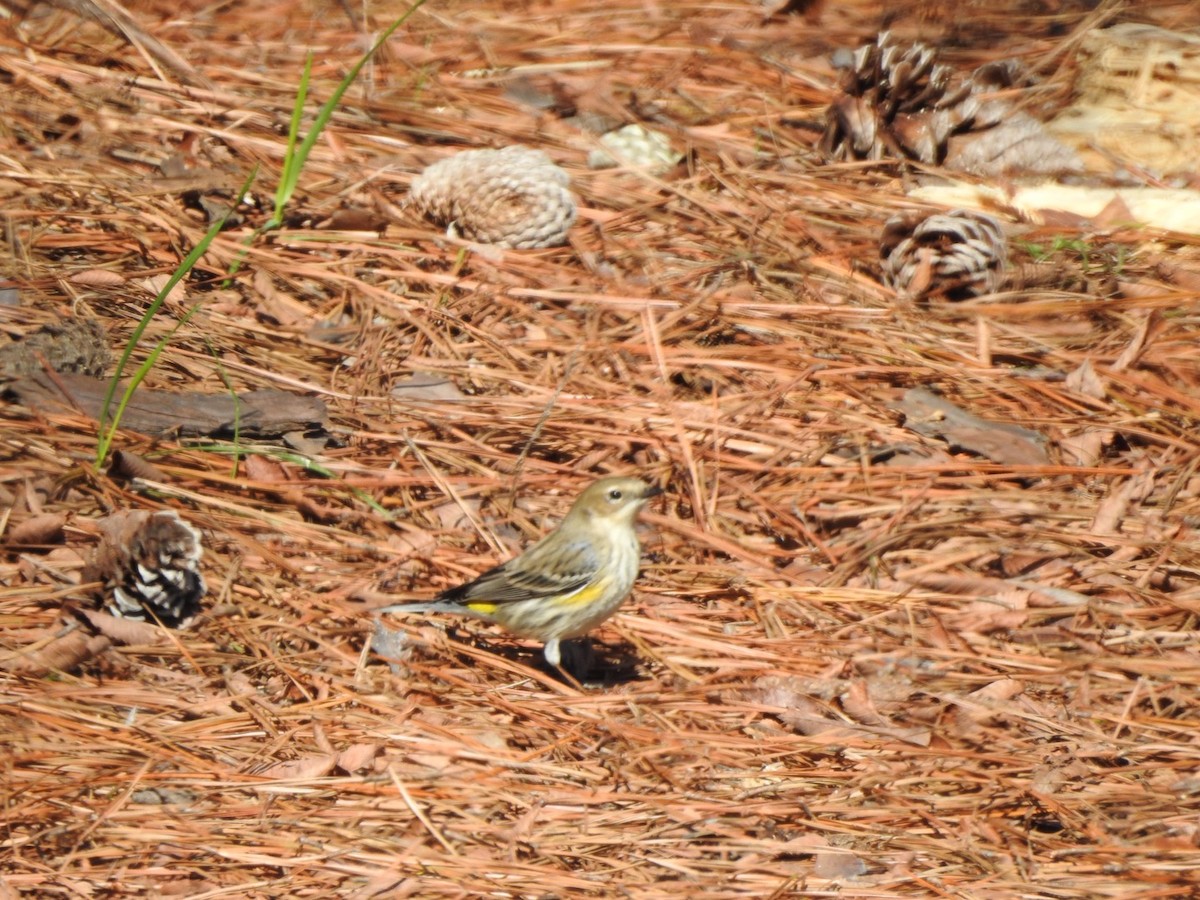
<point>291,176</point>
<point>107,429</point>
<point>293,162</point>
<point>296,157</point>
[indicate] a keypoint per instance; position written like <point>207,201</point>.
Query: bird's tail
<point>435,606</point>
<point>407,608</point>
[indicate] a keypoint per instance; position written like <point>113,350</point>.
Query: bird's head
<point>617,499</point>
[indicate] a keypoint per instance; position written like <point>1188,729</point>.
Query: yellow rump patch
<point>482,607</point>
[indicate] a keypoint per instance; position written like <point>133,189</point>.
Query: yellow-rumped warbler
<point>568,582</point>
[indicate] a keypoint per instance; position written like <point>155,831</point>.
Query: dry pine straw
<point>856,663</point>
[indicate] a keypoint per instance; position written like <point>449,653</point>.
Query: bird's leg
<point>577,658</point>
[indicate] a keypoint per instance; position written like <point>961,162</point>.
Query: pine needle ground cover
<point>860,660</point>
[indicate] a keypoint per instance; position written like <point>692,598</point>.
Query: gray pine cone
<point>71,345</point>
<point>515,197</point>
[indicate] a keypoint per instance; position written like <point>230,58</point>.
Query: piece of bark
<point>1002,442</point>
<point>259,414</point>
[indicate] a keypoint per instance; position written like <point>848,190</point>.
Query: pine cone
<point>70,345</point>
<point>897,102</point>
<point>636,147</point>
<point>148,563</point>
<point>955,255</point>
<point>515,197</point>
<point>901,103</point>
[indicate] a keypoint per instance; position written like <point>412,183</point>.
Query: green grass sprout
<point>108,426</point>
<point>298,151</point>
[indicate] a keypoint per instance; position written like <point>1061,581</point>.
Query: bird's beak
<point>652,491</point>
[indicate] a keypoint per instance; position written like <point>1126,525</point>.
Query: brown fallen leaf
<point>261,469</point>
<point>1085,380</point>
<point>1001,612</point>
<point>357,758</point>
<point>60,654</point>
<point>355,219</point>
<point>1087,447</point>
<point>300,769</point>
<point>836,865</point>
<point>1147,321</point>
<point>119,630</point>
<point>427,386</point>
<point>1018,145</point>
<point>1115,214</point>
<point>1178,276</point>
<point>37,530</point>
<point>1113,509</point>
<point>859,705</point>
<point>990,703</point>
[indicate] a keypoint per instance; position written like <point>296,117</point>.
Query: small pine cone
<point>71,345</point>
<point>637,147</point>
<point>515,197</point>
<point>148,563</point>
<point>956,255</point>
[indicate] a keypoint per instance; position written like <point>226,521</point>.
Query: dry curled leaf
<point>61,654</point>
<point>37,531</point>
<point>129,465</point>
<point>300,769</point>
<point>97,278</point>
<point>119,630</point>
<point>358,757</point>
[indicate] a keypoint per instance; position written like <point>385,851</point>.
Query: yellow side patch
<point>589,593</point>
<point>585,595</point>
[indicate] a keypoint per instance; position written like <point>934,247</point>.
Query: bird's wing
<point>533,575</point>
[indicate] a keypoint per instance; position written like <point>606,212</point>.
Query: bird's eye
<point>614,494</point>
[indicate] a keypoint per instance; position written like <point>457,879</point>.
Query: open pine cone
<point>148,563</point>
<point>515,197</point>
<point>956,255</point>
<point>900,102</point>
<point>897,101</point>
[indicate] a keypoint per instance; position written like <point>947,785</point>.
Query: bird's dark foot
<point>577,658</point>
